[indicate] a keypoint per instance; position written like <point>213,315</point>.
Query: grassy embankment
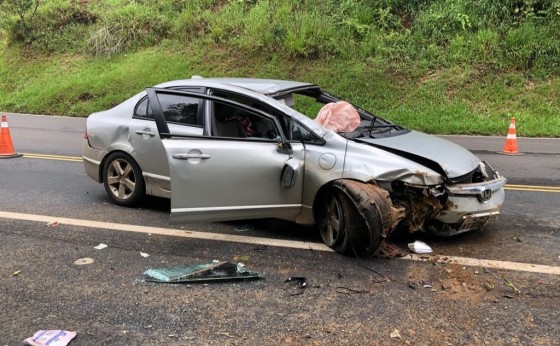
<point>443,67</point>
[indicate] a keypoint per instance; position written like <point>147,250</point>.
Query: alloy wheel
<point>121,179</point>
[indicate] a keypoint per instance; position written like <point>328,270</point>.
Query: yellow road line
<point>53,157</point>
<point>464,261</point>
<point>532,188</point>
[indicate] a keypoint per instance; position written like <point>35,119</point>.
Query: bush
<point>55,26</point>
<point>521,34</point>
<point>126,28</point>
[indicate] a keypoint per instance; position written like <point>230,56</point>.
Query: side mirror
<point>285,148</point>
<point>289,174</point>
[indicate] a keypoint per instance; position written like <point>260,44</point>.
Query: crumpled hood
<point>453,159</point>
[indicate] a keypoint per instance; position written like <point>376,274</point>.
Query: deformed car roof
<point>262,86</point>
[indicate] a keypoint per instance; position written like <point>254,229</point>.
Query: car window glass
<point>179,109</point>
<point>229,121</point>
<point>143,110</point>
<point>257,105</point>
<point>301,134</point>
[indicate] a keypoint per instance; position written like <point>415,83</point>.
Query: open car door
<point>234,171</point>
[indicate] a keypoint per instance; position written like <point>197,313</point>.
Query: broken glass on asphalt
<point>201,272</point>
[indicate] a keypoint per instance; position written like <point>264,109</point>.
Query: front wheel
<point>123,180</point>
<point>338,220</point>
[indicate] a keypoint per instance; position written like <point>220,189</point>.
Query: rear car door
<point>232,172</point>
<point>182,114</point>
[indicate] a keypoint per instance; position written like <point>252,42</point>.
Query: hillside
<point>450,66</point>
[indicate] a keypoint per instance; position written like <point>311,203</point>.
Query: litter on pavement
<point>83,261</point>
<point>143,254</point>
<point>201,272</point>
<point>419,247</point>
<point>52,224</point>
<point>100,246</point>
<point>50,337</point>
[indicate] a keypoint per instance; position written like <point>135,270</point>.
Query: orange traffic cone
<point>510,146</point>
<point>6,147</point>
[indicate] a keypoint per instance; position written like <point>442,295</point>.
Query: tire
<point>338,219</point>
<point>379,216</point>
<point>123,179</point>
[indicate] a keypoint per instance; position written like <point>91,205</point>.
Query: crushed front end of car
<point>455,193</point>
<point>453,207</point>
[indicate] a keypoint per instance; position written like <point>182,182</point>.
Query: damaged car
<point>233,148</point>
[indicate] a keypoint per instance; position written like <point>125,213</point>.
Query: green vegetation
<point>448,66</point>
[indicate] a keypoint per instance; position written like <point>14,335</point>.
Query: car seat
<point>225,125</point>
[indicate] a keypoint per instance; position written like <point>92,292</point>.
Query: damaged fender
<point>378,212</point>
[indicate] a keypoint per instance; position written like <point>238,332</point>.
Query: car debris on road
<point>215,271</point>
<point>52,224</point>
<point>420,247</point>
<point>301,283</point>
<point>100,246</point>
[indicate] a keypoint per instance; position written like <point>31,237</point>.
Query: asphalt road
<point>449,298</point>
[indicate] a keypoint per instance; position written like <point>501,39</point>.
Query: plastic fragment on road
<point>50,337</point>
<point>395,334</point>
<point>419,247</point>
<point>52,224</point>
<point>143,254</point>
<point>300,280</point>
<point>16,273</point>
<point>83,261</point>
<point>100,246</point>
<point>201,272</point>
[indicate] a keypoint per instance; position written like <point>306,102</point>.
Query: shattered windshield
<point>309,102</point>
<point>306,121</point>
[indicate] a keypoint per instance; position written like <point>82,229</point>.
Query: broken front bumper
<point>470,206</point>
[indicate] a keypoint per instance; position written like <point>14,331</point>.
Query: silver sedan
<point>231,148</point>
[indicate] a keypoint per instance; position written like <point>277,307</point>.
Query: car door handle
<point>149,133</point>
<point>190,156</point>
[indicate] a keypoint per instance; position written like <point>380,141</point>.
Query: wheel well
<point>364,199</point>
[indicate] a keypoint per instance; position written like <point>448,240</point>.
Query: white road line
<point>475,262</point>
<point>464,261</point>
<point>167,231</point>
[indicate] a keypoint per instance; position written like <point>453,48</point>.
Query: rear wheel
<point>123,180</point>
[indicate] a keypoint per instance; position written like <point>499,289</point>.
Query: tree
<point>25,11</point>
<point>21,8</point>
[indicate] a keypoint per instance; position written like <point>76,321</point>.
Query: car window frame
<point>163,129</point>
<point>200,110</point>
<point>212,91</point>
<point>142,99</point>
<point>320,141</point>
